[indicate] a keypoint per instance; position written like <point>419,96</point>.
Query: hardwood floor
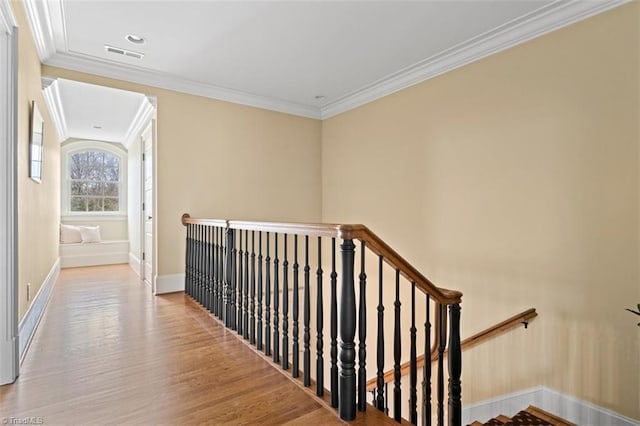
<point>108,352</point>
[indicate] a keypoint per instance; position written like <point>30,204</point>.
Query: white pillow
<point>70,234</point>
<point>90,234</point>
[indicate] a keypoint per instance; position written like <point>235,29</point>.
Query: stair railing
<point>243,272</point>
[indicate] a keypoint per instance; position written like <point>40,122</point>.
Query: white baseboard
<point>582,412</point>
<point>29,323</point>
<point>566,406</point>
<point>508,405</point>
<point>169,283</point>
<point>134,263</point>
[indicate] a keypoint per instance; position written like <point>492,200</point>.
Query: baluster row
<point>250,293</point>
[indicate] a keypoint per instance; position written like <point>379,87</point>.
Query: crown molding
<point>141,119</point>
<point>41,27</point>
<point>91,65</point>
<point>52,98</point>
<point>7,19</point>
<point>535,24</point>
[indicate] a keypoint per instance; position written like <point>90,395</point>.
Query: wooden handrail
<point>360,232</point>
<point>514,321</point>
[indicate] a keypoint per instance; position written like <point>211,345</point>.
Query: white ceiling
<point>282,54</point>
<point>87,111</point>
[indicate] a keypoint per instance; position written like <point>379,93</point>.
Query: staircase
<point>532,416</point>
<point>265,280</point>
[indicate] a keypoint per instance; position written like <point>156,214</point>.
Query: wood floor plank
<point>108,352</point>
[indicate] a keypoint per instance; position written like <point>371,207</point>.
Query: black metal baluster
<point>196,264</point>
<point>441,345</point>
<point>296,346</point>
<point>201,263</point>
<point>413,373</point>
<point>347,383</point>
<point>200,274</point>
<point>362,334</point>
<point>386,398</point>
<point>187,266</point>
<point>380,349</point>
<point>214,270</point>
<point>252,328</point>
<point>397,352</point>
<point>276,303</point>
<point>239,285</point>
<point>267,296</point>
<point>307,317</point>
<point>319,325</point>
<point>221,251</point>
<point>210,268</point>
<point>285,307</point>
<point>455,366</point>
<point>245,312</point>
<point>228,251</point>
<point>234,282</point>
<point>259,326</point>
<point>334,327</point>
<point>426,369</point>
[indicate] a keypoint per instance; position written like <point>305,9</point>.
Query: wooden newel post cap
<point>184,218</point>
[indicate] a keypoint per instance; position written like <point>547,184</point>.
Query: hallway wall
<point>515,180</point>
<point>38,203</point>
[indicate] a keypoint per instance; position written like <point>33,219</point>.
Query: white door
<point>147,211</point>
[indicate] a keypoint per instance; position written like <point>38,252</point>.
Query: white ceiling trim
<point>7,19</point>
<point>41,28</point>
<point>537,23</point>
<point>54,102</point>
<point>77,62</point>
<point>141,119</point>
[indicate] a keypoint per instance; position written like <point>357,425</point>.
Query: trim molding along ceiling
<point>52,97</point>
<point>144,114</point>
<point>47,25</point>
<point>7,20</point>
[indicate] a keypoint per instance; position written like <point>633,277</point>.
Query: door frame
<point>9,344</point>
<point>152,128</point>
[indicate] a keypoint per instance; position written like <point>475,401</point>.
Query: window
<point>94,179</point>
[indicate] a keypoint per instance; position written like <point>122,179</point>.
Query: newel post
<point>455,367</point>
<point>347,389</point>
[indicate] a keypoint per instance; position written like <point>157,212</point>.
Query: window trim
<point>71,148</point>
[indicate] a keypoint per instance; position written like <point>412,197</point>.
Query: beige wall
<point>38,203</point>
<point>221,160</point>
<point>515,180</point>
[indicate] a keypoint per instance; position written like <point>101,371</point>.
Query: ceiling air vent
<point>124,52</point>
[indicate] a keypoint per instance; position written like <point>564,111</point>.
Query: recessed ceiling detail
<point>280,55</point>
<point>86,111</point>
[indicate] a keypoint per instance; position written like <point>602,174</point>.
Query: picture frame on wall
<point>36,143</point>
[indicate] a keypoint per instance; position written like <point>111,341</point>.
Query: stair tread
<point>494,422</point>
<point>528,419</point>
<point>549,417</point>
<point>503,418</point>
